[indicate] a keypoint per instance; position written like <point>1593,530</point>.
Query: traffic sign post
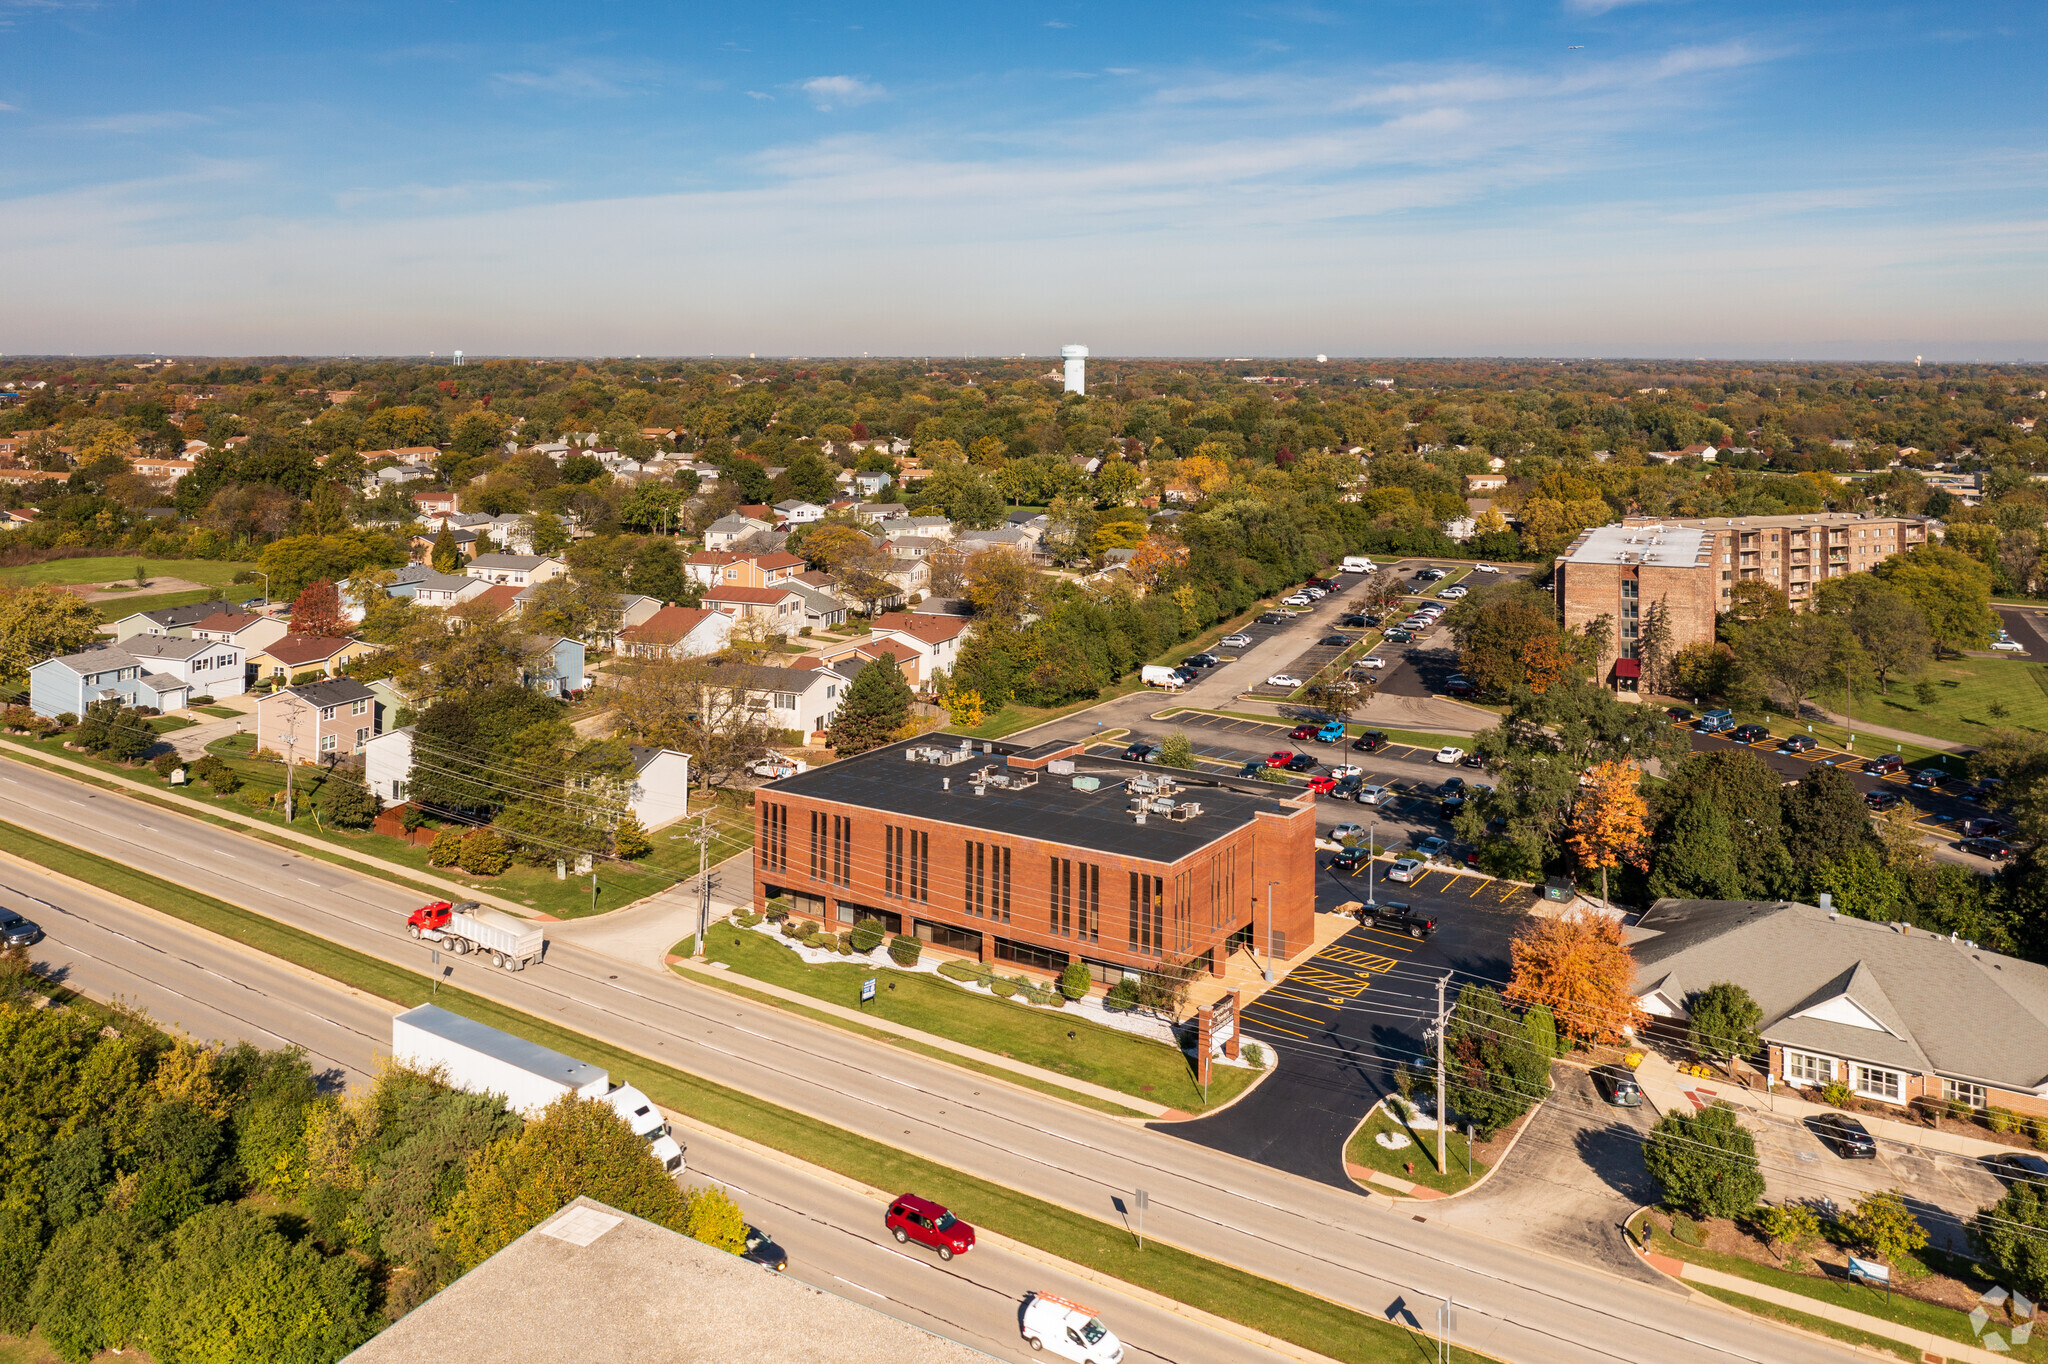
<point>1141,1198</point>
<point>867,989</point>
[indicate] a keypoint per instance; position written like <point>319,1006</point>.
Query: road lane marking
<point>862,1287</point>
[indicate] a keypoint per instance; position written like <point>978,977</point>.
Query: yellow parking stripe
<point>1261,1004</point>
<point>1479,883</point>
<point>1274,1026</point>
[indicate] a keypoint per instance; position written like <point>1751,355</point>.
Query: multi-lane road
<point>1354,1250</point>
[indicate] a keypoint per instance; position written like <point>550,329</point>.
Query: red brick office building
<point>1031,857</point>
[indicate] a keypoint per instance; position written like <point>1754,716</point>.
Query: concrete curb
<point>1423,1193</point>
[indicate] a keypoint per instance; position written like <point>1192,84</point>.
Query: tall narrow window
<point>774,838</point>
<point>817,845</point>
<point>892,861</point>
<point>1089,924</point>
<point>972,874</point>
<point>1148,897</point>
<point>999,908</point>
<point>842,850</point>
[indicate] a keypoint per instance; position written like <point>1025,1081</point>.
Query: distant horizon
<point>1095,360</point>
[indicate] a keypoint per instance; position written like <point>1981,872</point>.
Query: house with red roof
<point>781,609</point>
<point>677,632</point>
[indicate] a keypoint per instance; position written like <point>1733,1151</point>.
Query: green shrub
<point>846,944</point>
<point>867,935</point>
<point>1836,1094</point>
<point>163,764</point>
<point>744,919</point>
<point>1004,989</point>
<point>904,950</point>
<point>1958,1110</point>
<point>1684,1229</point>
<point>2002,1119</point>
<point>1075,980</point>
<point>794,928</point>
<point>66,720</point>
<point>778,910</point>
<point>1122,996</point>
<point>484,853</point>
<point>957,970</point>
<point>1255,1056</point>
<point>224,780</point>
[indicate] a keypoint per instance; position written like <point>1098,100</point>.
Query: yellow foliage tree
<point>1580,969</point>
<point>1610,822</point>
<point>964,706</point>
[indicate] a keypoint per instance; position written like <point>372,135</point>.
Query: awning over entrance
<point>1628,667</point>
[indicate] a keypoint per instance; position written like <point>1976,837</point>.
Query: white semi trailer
<point>480,1059</point>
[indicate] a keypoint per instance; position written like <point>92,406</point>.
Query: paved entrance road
<point>1340,1245</point>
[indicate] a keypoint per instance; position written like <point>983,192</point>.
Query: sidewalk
<point>1667,1089</point>
<point>947,1044</point>
<point>1897,736</point>
<point>1930,1346</point>
<point>257,826</point>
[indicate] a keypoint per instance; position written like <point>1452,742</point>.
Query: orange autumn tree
<point>1579,968</point>
<point>1611,821</point>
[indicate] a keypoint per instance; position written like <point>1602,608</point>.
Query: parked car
<point>255,603</point>
<point>1374,795</point>
<point>1280,757</point>
<point>1884,764</point>
<point>762,1250</point>
<point>1472,760</point>
<point>2014,1166</point>
<point>1798,743</point>
<point>1881,801</point>
<point>1300,732</point>
<point>1323,786</point>
<point>1372,741</point>
<point>1348,829</point>
<point>1301,762</point>
<point>1251,769</point>
<point>1484,568</point>
<point>1451,786</point>
<point>1355,621</point>
<point>16,931</point>
<point>911,1218</point>
<point>1200,661</point>
<point>1461,687</point>
<point>1400,636</point>
<point>1275,618</point>
<point>1929,779</point>
<point>1397,917</point>
<point>1142,753</point>
<point>1617,1086</point>
<point>1678,713</point>
<point>1716,722</point>
<point>1452,593</point>
<point>1373,661</point>
<point>1371,621</point>
<point>1288,680</point>
<point>1352,860</point>
<point>1996,849</point>
<point>1448,806</point>
<point>1338,640</point>
<point>1843,1135</point>
<point>1346,770</point>
<point>1448,754</point>
<point>1750,734</point>
<point>1332,732</point>
<point>1430,849</point>
<point>1406,869</point>
<point>1240,640</point>
<point>2008,646</point>
<point>1298,599</point>
<point>1984,827</point>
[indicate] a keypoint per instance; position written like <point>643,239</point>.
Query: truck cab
<point>1069,1330</point>
<point>648,1124</point>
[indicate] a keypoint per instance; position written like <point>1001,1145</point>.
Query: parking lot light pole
<point>1372,856</point>
<point>1266,971</point>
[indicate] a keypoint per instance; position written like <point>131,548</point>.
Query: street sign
<point>1223,1023</point>
<point>867,989</point>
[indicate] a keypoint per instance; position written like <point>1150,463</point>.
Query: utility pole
<point>291,743</point>
<point>1442,1112</point>
<point>704,883</point>
<point>1372,857</point>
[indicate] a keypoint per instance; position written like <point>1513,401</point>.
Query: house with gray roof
<point>167,620</point>
<point>67,685</point>
<point>1892,1011</point>
<point>728,531</point>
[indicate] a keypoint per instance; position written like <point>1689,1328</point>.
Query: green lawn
<point>117,608</point>
<point>164,724</point>
<point>1834,1330</point>
<point>219,712</point>
<point>1932,1318</point>
<point>1965,689</point>
<point>109,568</point>
<point>1008,719</point>
<point>1362,1149</point>
<point>1312,1322</point>
<point>1103,1056</point>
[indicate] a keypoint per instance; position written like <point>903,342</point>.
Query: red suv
<point>911,1218</point>
<point>1303,732</point>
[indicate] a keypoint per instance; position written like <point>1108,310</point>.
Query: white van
<point>1068,1330</point>
<point>1356,563</point>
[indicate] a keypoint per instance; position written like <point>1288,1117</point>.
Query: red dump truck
<point>469,927</point>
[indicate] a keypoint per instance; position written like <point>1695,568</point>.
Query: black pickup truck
<point>1396,917</point>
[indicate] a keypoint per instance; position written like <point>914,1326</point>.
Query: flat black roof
<point>1052,811</point>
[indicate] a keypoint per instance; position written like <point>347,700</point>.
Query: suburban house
<point>799,699</point>
<point>850,656</point>
<point>781,609</point>
<point>208,666</point>
<point>168,469</point>
<point>328,719</point>
<point>520,570</point>
<point>18,517</point>
<point>67,685</point>
<point>498,599</point>
<point>167,620</point>
<point>1484,483</point>
<point>295,654</point>
<point>938,637</point>
<point>728,531</point>
<point>869,482</point>
<point>555,667</point>
<point>676,632</point>
<point>714,567</point>
<point>822,610</point>
<point>428,588</point>
<point>466,543</point>
<point>877,512</point>
<point>795,511</point>
<point>635,609</point>
<point>247,632</point>
<point>661,786</point>
<point>387,765</point>
<point>1891,1011</point>
<point>434,504</point>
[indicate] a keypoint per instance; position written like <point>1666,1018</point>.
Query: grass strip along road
<point>1285,1313</point>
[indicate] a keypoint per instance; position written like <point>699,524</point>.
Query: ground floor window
<point>1108,973</point>
<point>1962,1091</point>
<point>1806,1069</point>
<point>852,913</point>
<point>947,936</point>
<point>1024,954</point>
<point>1880,1084</point>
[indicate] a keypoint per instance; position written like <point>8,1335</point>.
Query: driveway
<point>1570,1182</point>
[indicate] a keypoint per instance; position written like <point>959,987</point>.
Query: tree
<point>1734,791</point>
<point>1950,587</point>
<point>1508,639</point>
<point>231,1288</point>
<point>629,839</point>
<point>1794,655</point>
<point>576,1149</point>
<point>716,1220</point>
<point>1075,980</point>
<point>347,803</point>
<point>1825,818</point>
<point>1001,583</point>
<point>1703,668</point>
<point>1654,647</point>
<point>1724,1022</point>
<point>1883,1225</point>
<point>1791,1227</point>
<point>21,1247</point>
<point>446,556</point>
<point>1177,750</point>
<point>1494,1072</point>
<point>42,622</point>
<point>697,706</point>
<point>1704,1162</point>
<point>108,727</point>
<point>656,570</point>
<point>875,706</point>
<point>1695,858</point>
<point>1610,821</point>
<point>2012,1235</point>
<point>1885,621</point>
<point>1579,967</point>
<point>1752,600</point>
<point>317,611</point>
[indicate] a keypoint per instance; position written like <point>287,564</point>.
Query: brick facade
<point>1032,903</point>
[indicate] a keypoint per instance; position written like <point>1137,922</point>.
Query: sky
<point>1404,177</point>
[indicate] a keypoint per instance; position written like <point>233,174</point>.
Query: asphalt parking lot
<point>1346,1017</point>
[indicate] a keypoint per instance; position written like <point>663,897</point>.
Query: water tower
<point>1077,367</point>
<point>458,357</point>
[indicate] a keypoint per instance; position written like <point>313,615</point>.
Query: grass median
<point>1302,1318</point>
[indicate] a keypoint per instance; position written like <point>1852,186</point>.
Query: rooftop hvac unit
<point>1061,767</point>
<point>943,757</point>
<point>1185,810</point>
<point>1087,783</point>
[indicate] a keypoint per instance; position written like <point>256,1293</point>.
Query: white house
<point>387,765</point>
<point>209,667</point>
<point>677,632</point>
<point>797,512</point>
<point>661,786</point>
<point>517,570</point>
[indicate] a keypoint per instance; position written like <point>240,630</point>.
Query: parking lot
<point>1346,1017</point>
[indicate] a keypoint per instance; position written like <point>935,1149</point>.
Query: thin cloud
<point>463,194</point>
<point>135,125</point>
<point>574,81</point>
<point>756,94</point>
<point>1057,23</point>
<point>846,92</point>
<point>1594,7</point>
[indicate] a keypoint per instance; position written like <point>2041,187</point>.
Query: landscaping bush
<point>778,910</point>
<point>1255,1056</point>
<point>2002,1119</point>
<point>202,701</point>
<point>1882,1224</point>
<point>1684,1229</point>
<point>1122,996</point>
<point>484,853</point>
<point>867,935</point>
<point>1004,989</point>
<point>1705,1163</point>
<point>795,929</point>
<point>66,720</point>
<point>845,946</point>
<point>446,850</point>
<point>904,950</point>
<point>1836,1094</point>
<point>347,803</point>
<point>744,919</point>
<point>961,971</point>
<point>630,841</point>
<point>1075,980</point>
<point>163,764</point>
<point>223,779</point>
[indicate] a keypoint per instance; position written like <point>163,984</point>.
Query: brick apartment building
<point>1032,857</point>
<point>1691,568</point>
